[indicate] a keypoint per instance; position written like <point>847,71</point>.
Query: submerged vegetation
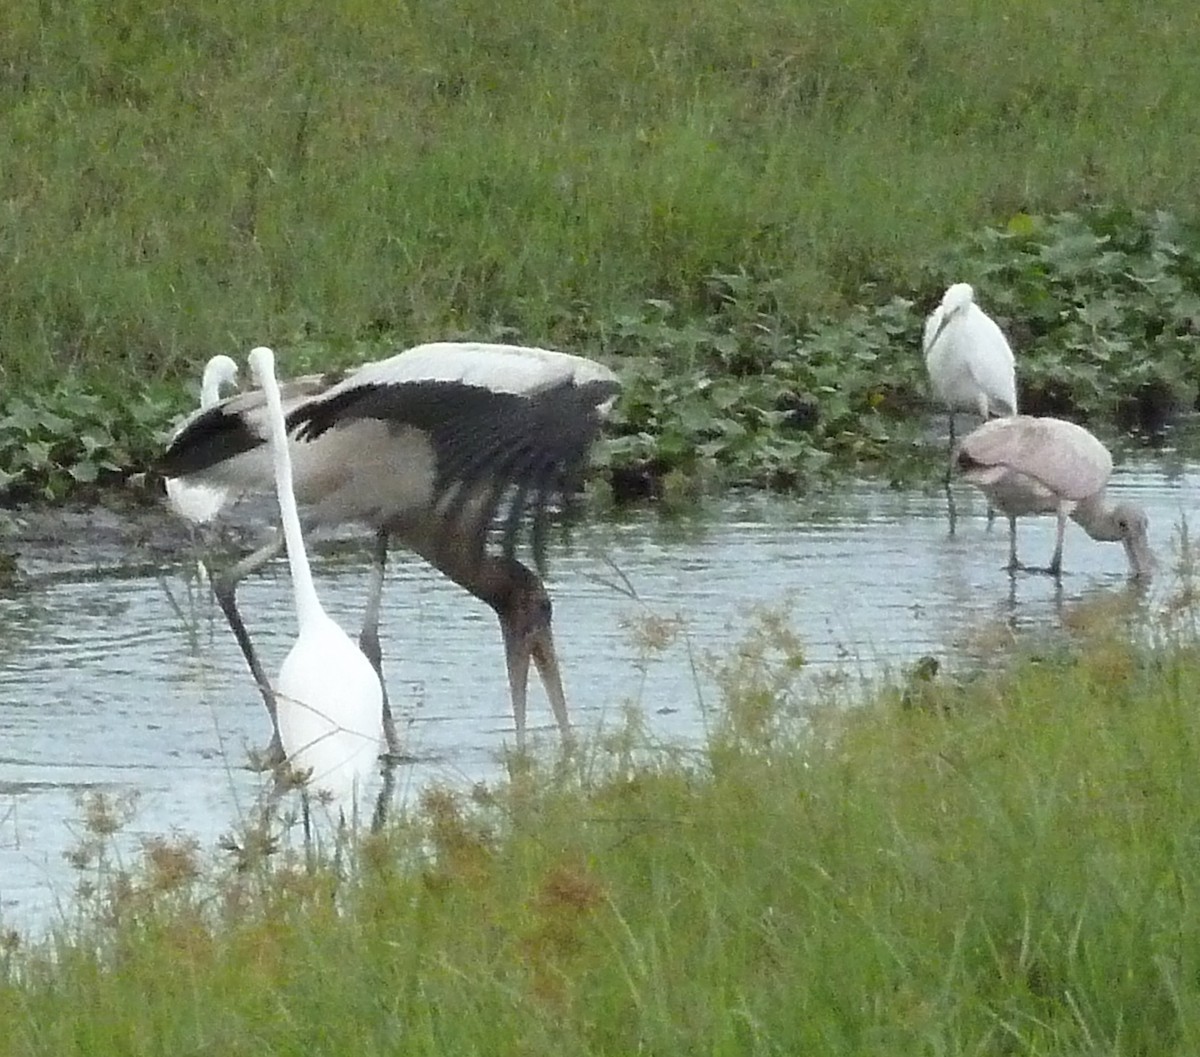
<point>747,209</point>
<point>991,862</point>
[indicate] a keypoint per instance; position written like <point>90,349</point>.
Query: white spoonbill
<point>1027,465</point>
<point>428,447</point>
<point>328,697</point>
<point>970,364</point>
<point>200,503</point>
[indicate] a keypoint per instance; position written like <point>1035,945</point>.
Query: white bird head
<point>955,300</point>
<point>262,364</point>
<point>218,372</point>
<point>222,369</point>
<point>957,297</point>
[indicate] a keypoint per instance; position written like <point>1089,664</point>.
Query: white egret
<point>970,364</point>
<point>1027,465</point>
<point>200,503</point>
<point>328,697</point>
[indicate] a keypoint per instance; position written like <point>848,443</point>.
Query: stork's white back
<point>501,368</point>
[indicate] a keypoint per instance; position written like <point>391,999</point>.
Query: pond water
<point>127,679</point>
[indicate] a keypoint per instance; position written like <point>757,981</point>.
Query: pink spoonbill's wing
<point>1065,457</point>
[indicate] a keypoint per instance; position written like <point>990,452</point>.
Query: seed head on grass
<point>253,846</point>
<point>171,864</point>
<point>105,814</point>
<point>570,889</point>
<point>102,883</point>
<point>652,633</point>
<point>460,846</point>
<point>759,679</point>
<point>566,897</point>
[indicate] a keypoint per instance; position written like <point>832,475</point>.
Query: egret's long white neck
<point>262,364</point>
<point>210,384</point>
<point>210,390</point>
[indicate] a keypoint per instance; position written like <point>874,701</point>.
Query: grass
<point>769,192</point>
<point>180,182</point>
<point>994,863</point>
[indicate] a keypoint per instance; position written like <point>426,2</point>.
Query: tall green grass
<point>998,864</point>
<point>180,179</point>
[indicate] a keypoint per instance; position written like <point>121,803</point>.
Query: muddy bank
<point>118,529</point>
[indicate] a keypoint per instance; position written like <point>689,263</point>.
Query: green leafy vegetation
<point>62,439</point>
<point>599,176</point>
<point>1104,306</point>
<point>1101,305</point>
<point>997,861</point>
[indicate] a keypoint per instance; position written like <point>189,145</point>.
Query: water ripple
<point>131,681</point>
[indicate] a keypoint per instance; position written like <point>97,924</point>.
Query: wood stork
<point>1027,465</point>
<point>328,697</point>
<point>200,503</point>
<point>970,364</point>
<point>428,447</point>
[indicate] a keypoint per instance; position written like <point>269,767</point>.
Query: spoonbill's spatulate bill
<point>432,447</point>
<point>1027,465</point>
<point>328,697</point>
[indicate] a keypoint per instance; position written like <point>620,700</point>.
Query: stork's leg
<point>387,789</point>
<point>1055,568</point>
<point>949,476</point>
<point>225,589</point>
<point>368,639</point>
<point>1013,563</point>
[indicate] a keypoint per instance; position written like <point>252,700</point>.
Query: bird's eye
<point>1123,524</point>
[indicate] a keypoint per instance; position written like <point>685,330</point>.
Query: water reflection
<point>131,681</point>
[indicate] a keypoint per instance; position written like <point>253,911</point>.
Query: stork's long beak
<point>1142,562</point>
<point>519,650</point>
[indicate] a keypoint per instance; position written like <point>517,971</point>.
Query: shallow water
<point>127,680</point>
